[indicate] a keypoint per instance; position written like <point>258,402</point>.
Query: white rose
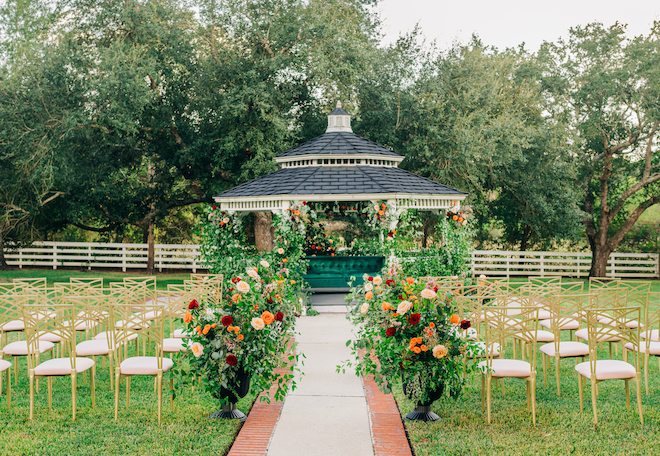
<point>378,281</point>
<point>264,263</point>
<point>404,306</point>
<point>376,208</point>
<point>280,251</point>
<point>243,286</point>
<point>252,273</point>
<point>368,287</point>
<point>257,323</point>
<point>365,308</point>
<point>197,349</point>
<point>209,312</point>
<point>428,294</point>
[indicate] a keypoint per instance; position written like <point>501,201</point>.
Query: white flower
<point>368,287</point>
<point>482,276</point>
<point>404,306</point>
<point>209,312</point>
<point>243,286</point>
<point>226,220</point>
<point>378,280</point>
<point>197,349</point>
<point>365,308</point>
<point>376,208</point>
<point>264,263</point>
<point>428,294</point>
<point>257,323</point>
<point>252,273</point>
<point>280,251</point>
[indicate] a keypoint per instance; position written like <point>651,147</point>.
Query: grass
<point>186,431</point>
<point>63,275</point>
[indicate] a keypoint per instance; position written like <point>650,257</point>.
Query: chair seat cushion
<point>629,323</point>
<point>14,325</point>
<point>541,336</point>
<point>173,345</point>
<point>566,324</point>
<point>144,365</point>
<point>50,337</point>
<point>584,335</point>
<point>654,347</point>
<point>4,365</point>
<point>181,333</point>
<point>607,369</point>
<point>93,347</point>
<point>653,334</point>
<point>62,366</point>
<point>20,347</point>
<point>508,368</point>
<point>567,349</point>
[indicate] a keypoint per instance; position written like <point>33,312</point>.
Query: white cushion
<point>92,347</point>
<point>654,347</point>
<point>541,336</point>
<point>608,321</point>
<point>181,333</point>
<point>50,337</point>
<point>173,345</point>
<point>584,335</point>
<point>567,349</point>
<point>62,366</point>
<point>508,368</point>
<point>4,365</point>
<point>607,369</point>
<point>565,324</point>
<point>144,365</point>
<point>13,325</point>
<point>654,334</point>
<point>20,348</point>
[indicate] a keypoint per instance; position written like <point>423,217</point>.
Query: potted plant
<point>407,331</point>
<point>238,343</point>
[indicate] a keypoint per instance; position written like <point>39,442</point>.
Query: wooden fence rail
<point>187,257</point>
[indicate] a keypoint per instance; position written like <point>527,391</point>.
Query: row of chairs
<point>613,312</point>
<point>53,320</point>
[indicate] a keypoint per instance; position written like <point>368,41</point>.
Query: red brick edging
<point>387,432</point>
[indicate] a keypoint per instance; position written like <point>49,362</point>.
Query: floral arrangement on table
<point>410,333</point>
<point>250,330</point>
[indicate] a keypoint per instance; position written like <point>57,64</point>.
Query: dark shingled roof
<point>318,180</point>
<point>339,112</point>
<point>339,143</point>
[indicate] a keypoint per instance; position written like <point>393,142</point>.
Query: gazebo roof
<point>339,166</point>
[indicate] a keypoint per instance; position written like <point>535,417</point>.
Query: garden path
<point>327,413</point>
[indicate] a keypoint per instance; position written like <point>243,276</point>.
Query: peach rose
<point>410,280</point>
<point>243,286</point>
<point>428,294</point>
<point>257,323</point>
<point>368,287</point>
<point>252,273</point>
<point>369,295</point>
<point>267,317</point>
<point>264,263</point>
<point>386,306</point>
<point>365,308</point>
<point>404,306</point>
<point>187,318</point>
<point>197,349</point>
<point>280,251</point>
<point>440,351</point>
<point>378,281</point>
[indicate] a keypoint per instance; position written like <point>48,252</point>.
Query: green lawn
<point>186,431</point>
<point>63,275</point>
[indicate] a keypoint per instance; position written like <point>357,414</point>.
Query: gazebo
<point>339,166</point>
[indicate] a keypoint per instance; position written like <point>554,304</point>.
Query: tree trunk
<point>3,262</point>
<point>527,233</point>
<point>599,258</point>
<point>151,251</point>
<point>263,235</point>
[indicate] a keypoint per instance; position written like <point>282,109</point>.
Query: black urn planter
<point>240,389</point>
<point>423,410</point>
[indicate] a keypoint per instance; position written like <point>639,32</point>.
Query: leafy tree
<point>607,88</point>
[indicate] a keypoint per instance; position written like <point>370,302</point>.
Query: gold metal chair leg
<point>74,390</point>
<point>580,390</point>
<point>92,381</point>
<point>160,395</point>
<point>638,387</point>
<point>110,364</point>
<point>8,389</point>
<point>533,388</point>
<point>646,372</point>
<point>31,395</point>
<point>50,393</point>
<point>488,396</point>
<point>117,382</point>
<point>128,391</point>
<point>594,394</point>
<point>483,392</point>
<point>558,375</point>
<point>545,374</point>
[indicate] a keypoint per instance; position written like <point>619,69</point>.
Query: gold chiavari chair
<point>648,346</point>
<point>57,319</point>
<point>598,370</point>
<point>609,298</point>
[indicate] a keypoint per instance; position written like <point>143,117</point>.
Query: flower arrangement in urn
<point>246,336</point>
<point>407,331</point>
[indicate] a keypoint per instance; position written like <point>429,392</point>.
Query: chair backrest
<point>545,281</point>
<point>503,322</point>
<point>611,297</point>
<point>11,305</point>
<point>570,288</point>
<point>90,311</point>
<point>32,282</point>
<point>11,288</point>
<point>89,282</point>
<point>57,319</point>
<point>603,282</point>
<point>147,320</point>
<point>638,292</point>
<point>568,308</point>
<point>210,290</point>
<point>601,331</point>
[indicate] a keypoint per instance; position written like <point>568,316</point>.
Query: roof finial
<point>339,120</point>
<point>338,104</point>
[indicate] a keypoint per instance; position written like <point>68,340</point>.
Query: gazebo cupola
<point>339,166</point>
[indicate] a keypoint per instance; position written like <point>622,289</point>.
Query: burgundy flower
<point>465,324</point>
<point>231,360</point>
<point>227,320</point>
<point>270,300</point>
<point>390,331</point>
<point>414,318</point>
<point>235,280</point>
<point>389,281</point>
<point>402,297</point>
<point>193,304</point>
<point>279,316</point>
<point>370,279</point>
<point>214,207</point>
<point>435,288</point>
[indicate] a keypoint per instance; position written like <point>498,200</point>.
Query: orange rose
<point>206,329</point>
<point>198,329</point>
<point>369,295</point>
<point>417,350</point>
<point>230,328</point>
<point>460,219</point>
<point>386,306</point>
<point>267,317</point>
<point>455,319</point>
<point>285,261</point>
<point>431,325</point>
<point>424,348</point>
<point>187,318</point>
<point>455,217</point>
<point>410,280</point>
<point>241,337</point>
<point>381,213</point>
<point>214,325</point>
<point>237,329</point>
<point>236,298</point>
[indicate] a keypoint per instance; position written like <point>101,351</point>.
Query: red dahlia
<point>227,320</point>
<point>414,318</point>
<point>193,304</point>
<point>465,324</point>
<point>231,360</point>
<point>390,331</point>
<point>279,316</point>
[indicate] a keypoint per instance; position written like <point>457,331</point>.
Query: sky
<point>508,23</point>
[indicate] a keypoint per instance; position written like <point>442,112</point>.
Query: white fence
<point>567,264</point>
<point>105,255</point>
<point>187,257</point>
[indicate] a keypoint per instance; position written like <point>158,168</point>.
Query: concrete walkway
<point>327,413</point>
